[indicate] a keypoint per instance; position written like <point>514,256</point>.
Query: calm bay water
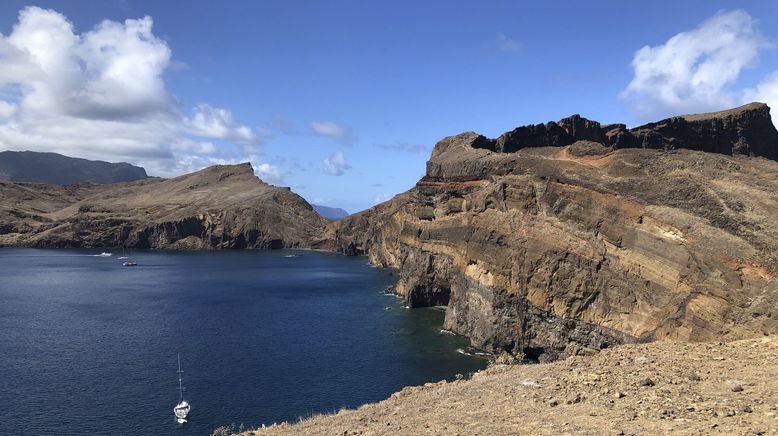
<point>89,347</point>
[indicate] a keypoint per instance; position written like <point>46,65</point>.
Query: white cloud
<point>101,95</point>
<point>200,147</point>
<point>507,44</point>
<point>269,173</point>
<point>336,164</point>
<point>766,92</point>
<point>335,131</point>
<point>212,122</point>
<point>693,71</point>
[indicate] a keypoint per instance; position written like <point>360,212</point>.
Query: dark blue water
<point>89,347</point>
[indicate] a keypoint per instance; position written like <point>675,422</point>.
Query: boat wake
<point>470,351</point>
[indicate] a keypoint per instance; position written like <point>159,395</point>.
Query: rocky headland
<point>220,207</point>
<point>569,236</point>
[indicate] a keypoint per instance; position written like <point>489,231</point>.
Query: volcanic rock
<point>224,206</point>
<point>571,232</point>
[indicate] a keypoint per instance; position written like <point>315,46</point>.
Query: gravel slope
<point>657,388</point>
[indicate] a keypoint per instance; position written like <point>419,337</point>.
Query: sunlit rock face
<point>224,206</point>
<point>564,236</point>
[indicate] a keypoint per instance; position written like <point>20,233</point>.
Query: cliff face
<point>746,130</point>
<point>563,236</point>
<point>223,206</point>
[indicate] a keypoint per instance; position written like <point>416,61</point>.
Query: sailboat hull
<point>181,411</point>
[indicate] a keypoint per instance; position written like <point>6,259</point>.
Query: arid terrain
<point>223,206</point>
<point>645,389</point>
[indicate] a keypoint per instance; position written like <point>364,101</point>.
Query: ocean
<point>88,346</point>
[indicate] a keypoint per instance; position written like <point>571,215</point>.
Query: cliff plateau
<point>558,238</point>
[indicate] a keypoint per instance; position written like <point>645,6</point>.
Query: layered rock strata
<point>555,238</point>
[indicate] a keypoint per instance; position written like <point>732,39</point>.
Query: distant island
<point>31,166</point>
<point>331,213</point>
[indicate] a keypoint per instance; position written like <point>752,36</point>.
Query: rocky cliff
<point>30,166</point>
<point>223,206</point>
<point>559,237</point>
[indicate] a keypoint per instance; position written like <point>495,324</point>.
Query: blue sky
<point>344,100</point>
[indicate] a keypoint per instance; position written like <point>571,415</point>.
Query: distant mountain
<point>219,207</point>
<point>30,166</point>
<point>331,213</point>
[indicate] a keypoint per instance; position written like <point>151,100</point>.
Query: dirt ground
<point>648,389</point>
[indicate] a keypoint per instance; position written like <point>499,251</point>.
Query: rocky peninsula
<point>569,236</point>
<point>220,207</point>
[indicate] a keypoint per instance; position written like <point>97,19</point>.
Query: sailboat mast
<point>180,385</point>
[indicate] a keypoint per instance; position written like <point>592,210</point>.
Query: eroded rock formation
<point>562,236</point>
<point>223,206</point>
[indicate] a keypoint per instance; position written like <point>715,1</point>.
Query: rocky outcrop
<point>658,388</point>
<point>30,166</point>
<point>745,130</point>
<point>564,236</point>
<point>223,206</point>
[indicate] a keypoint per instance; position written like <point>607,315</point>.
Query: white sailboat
<point>127,260</point>
<point>181,411</point>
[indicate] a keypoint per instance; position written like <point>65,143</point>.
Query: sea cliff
<point>566,236</point>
